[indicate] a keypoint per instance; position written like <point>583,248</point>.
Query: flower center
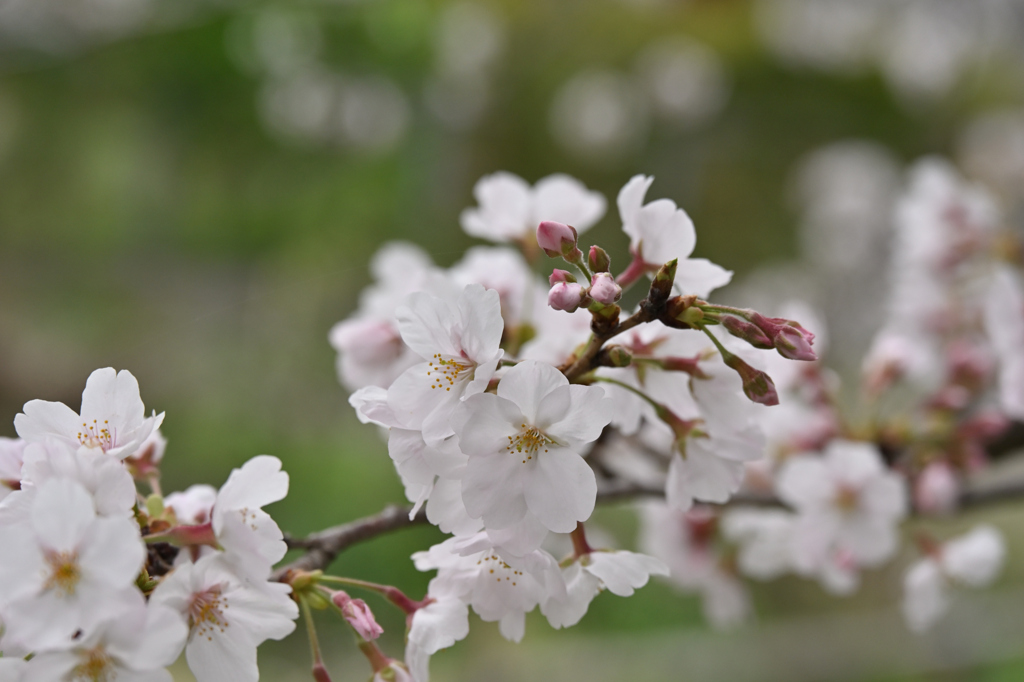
<point>206,612</point>
<point>499,569</point>
<point>97,667</point>
<point>847,498</point>
<point>64,572</point>
<point>528,441</point>
<point>96,435</point>
<point>444,372</point>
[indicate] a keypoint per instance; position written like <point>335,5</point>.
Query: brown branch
<point>324,546</point>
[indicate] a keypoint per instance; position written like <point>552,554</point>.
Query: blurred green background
<point>175,201</point>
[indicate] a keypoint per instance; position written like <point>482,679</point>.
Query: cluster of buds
<point>561,241</point>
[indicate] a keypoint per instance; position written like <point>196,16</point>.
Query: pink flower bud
<point>557,239</point>
<point>561,276</point>
<point>937,489</point>
<point>604,290</point>
<point>757,385</point>
<point>790,339</point>
<point>565,296</point>
<point>358,615</point>
<point>750,333</point>
<point>599,260</point>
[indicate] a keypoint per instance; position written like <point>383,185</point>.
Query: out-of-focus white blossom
<point>972,560</point>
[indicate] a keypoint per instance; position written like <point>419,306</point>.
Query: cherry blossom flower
<point>510,210</point>
<point>708,462</point>
<point>685,542</point>
<point>503,270</point>
<point>765,539</point>
<point>1004,322</point>
<point>113,418</point>
<point>11,456</point>
<point>618,571</point>
<point>251,539</point>
<point>369,345</point>
<point>137,643</point>
<point>523,446</point>
<point>443,621</point>
<point>845,500</point>
<point>63,569</point>
<point>972,560</point>
<point>194,506</point>
<point>458,339</point>
<point>659,232</point>
<point>104,477</point>
<point>228,617</point>
<point>498,588</point>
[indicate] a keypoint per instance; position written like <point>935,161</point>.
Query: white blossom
<point>104,477</point>
<point>458,339</point>
<point>228,617</point>
<point>498,588</point>
<point>618,571</point>
<point>523,445</point>
<point>510,210</point>
<point>113,418</point>
<point>11,456</point>
<point>660,231</point>
<point>136,644</point>
<point>972,560</point>
<point>63,569</point>
<point>846,500</point>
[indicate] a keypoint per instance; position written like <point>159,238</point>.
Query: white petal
<point>528,384</point>
<point>480,322</point>
<point>484,422</point>
<point>62,513</point>
<point>804,482</point>
<point>699,276</point>
<point>513,626</point>
<point>440,624</point>
<point>41,419</point>
<point>630,201</point>
<point>623,572</point>
<point>925,596</point>
<point>565,199</point>
<point>504,213</point>
<point>581,588</point>
<point>258,483</point>
<point>589,412</point>
<point>703,475</point>
<point>976,558</point>
<point>492,489</point>
<point>231,657</point>
<point>446,510</point>
<point>561,489</point>
<point>666,232</point>
<point>425,322</point>
<point>112,552</point>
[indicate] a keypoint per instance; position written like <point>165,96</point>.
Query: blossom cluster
<point>101,583</point>
<point>511,406</point>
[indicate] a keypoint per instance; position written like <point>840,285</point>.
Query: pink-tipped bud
<point>789,338</point>
<point>358,615</point>
<point>599,260</point>
<point>757,385</point>
<point>604,290</point>
<point>320,673</point>
<point>565,296</point>
<point>937,489</point>
<point>750,333</point>
<point>557,239</point>
<point>561,276</point>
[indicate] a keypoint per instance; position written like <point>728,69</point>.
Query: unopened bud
<point>750,333</point>
<point>689,365</point>
<point>661,287</point>
<point>561,276</point>
<point>937,489</point>
<point>558,240</point>
<point>789,338</point>
<point>615,356</point>
<point>599,260</point>
<point>692,316</point>
<point>320,673</point>
<point>565,296</point>
<point>757,385</point>
<point>358,615</point>
<point>604,290</point>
